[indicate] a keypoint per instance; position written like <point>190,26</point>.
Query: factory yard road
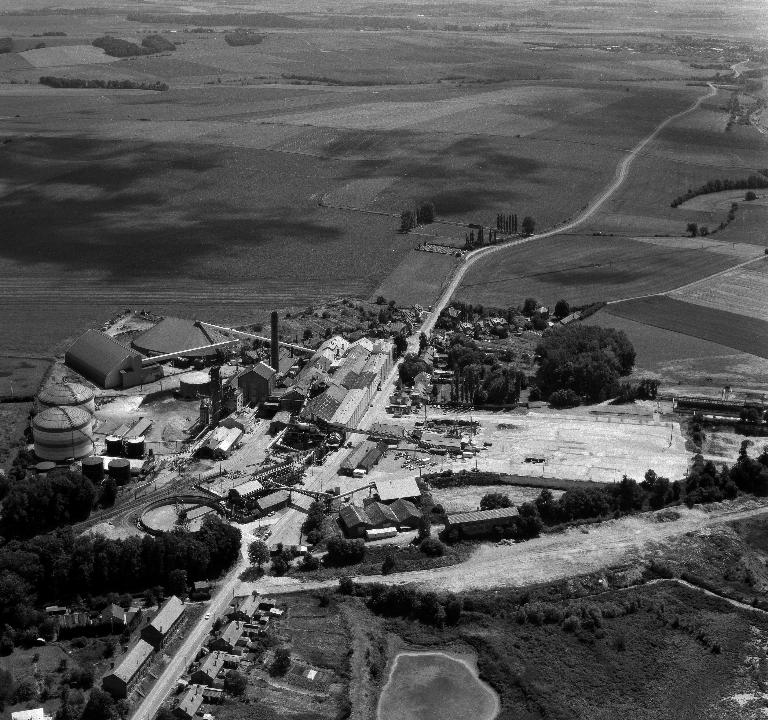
<point>621,174</point>
<point>552,557</point>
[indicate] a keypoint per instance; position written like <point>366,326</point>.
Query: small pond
<point>435,686</point>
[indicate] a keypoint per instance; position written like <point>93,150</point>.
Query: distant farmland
<point>743,333</point>
<point>585,269</point>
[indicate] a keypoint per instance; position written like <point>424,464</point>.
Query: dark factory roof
<point>481,515</point>
<point>98,352</point>
<point>174,334</point>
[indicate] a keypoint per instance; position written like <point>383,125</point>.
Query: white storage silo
<point>66,395</point>
<point>63,432</point>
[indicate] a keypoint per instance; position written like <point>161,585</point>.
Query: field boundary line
<point>690,284</point>
<point>618,179</point>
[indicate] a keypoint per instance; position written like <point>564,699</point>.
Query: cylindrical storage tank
<point>65,395</point>
<point>120,470</point>
<point>43,468</point>
<point>195,384</point>
<point>134,448</point>
<point>114,446</point>
<point>93,468</point>
<point>61,433</point>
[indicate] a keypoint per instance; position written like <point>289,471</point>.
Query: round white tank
<point>66,395</point>
<point>63,432</point>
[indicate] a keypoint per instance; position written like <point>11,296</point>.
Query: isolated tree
<point>177,582</point>
<point>530,306</point>
<point>562,308</point>
<point>235,683</point>
<point>307,334</point>
<point>692,228</point>
<point>258,552</point>
<point>424,527</point>
<point>108,492</point>
<point>423,343</point>
<point>529,225</point>
<point>407,220</point>
<point>388,565</point>
<point>401,344</point>
<point>282,661</point>
<point>426,213</point>
<point>750,195</point>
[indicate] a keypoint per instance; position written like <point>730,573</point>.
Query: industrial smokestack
<point>273,350</point>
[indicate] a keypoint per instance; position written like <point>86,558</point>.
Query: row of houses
<point>122,679</point>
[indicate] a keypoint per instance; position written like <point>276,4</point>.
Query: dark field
<point>584,269</point>
<point>739,332</point>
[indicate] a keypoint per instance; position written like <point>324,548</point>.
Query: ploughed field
<point>204,201</point>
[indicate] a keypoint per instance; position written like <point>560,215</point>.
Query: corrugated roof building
<point>354,519</point>
<point>480,522</point>
<point>128,672</point>
<point>164,623</point>
<point>380,515</point>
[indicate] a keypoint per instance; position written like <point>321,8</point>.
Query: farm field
<point>20,377</point>
<point>743,291</point>
<point>464,499</point>
<point>683,363</point>
<point>739,332</point>
<point>584,269</point>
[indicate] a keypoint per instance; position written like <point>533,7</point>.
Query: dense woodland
<point>119,48</point>
<point>61,567</point>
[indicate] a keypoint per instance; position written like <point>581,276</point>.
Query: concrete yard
<point>577,446</point>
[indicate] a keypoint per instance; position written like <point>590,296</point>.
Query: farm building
<point>407,513</point>
<point>168,618</point>
<point>107,363</point>
<point>272,502</point>
<point>354,520</point>
<point>209,669</point>
<point>257,383</point>
<point>174,335</point>
<point>33,714</point>
<point>190,703</point>
<point>230,637</point>
<point>380,515</point>
<point>121,681</point>
<point>398,489</point>
<point>363,457</point>
<point>480,522</point>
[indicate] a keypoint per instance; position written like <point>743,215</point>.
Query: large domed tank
<point>66,395</point>
<point>63,432</point>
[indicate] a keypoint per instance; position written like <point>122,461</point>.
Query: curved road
<point>621,174</point>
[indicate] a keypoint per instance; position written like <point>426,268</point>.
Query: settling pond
<point>435,686</point>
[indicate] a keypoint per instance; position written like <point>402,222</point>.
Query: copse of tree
<point>585,359</point>
<point>528,225</point>
<point>116,47</point>
<point>35,505</point>
<point>411,366</point>
<point>344,552</point>
<point>68,83</point>
<point>315,518</point>
<point>530,306</point>
<point>407,220</point>
<point>157,44</point>
<point>258,552</point>
<point>425,213</point>
<point>562,309</point>
<point>492,501</point>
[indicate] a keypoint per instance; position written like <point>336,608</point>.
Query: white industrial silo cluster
<point>63,426</point>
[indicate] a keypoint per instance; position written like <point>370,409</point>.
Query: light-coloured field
<point>736,250</point>
<point>66,55</point>
<point>581,447</point>
<point>464,499</point>
<point>743,290</point>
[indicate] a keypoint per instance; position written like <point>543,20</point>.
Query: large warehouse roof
<point>397,488</point>
<point>173,335</point>
<point>481,515</point>
<point>97,355</point>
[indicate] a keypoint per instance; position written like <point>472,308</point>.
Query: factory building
<point>397,489</point>
<point>363,457</point>
<point>61,433</point>
<point>107,363</point>
<point>65,395</point>
<point>354,521</point>
<point>257,383</point>
<point>174,335</point>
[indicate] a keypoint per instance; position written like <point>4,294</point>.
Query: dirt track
<point>553,557</point>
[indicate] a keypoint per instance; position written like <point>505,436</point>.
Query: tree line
<point>62,82</point>
<point>243,37</point>
<point>712,186</point>
<point>61,567</point>
<point>117,47</point>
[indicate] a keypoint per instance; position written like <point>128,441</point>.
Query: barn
<point>480,522</point>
